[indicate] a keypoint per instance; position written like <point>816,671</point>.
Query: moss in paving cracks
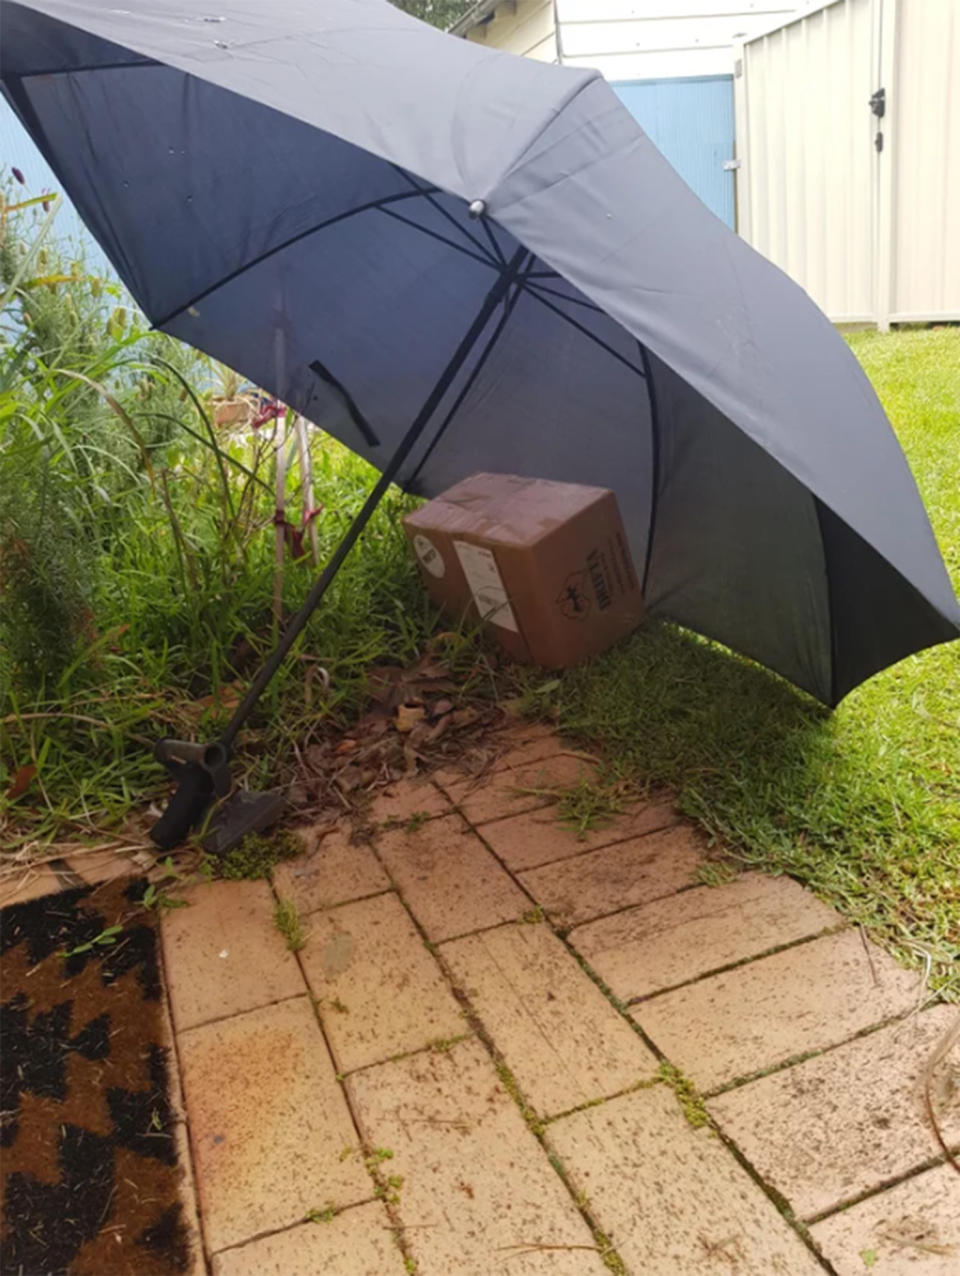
<point>326,1215</point>
<point>443,1045</point>
<point>509,1083</point>
<point>286,918</point>
<point>257,855</point>
<point>533,916</point>
<point>688,1096</point>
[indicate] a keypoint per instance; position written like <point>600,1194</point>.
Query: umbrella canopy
<point>336,200</point>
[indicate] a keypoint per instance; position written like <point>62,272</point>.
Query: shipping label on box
<point>486,585</point>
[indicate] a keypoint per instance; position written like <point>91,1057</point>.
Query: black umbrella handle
<point>506,277</point>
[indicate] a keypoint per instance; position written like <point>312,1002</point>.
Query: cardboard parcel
<point>545,565</point>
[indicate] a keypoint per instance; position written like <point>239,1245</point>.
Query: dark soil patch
<point>90,1178</point>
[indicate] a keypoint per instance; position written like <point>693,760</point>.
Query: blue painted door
<point>691,121</point>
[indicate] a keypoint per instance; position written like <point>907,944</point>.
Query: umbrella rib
<point>484,261</point>
<point>81,70</point>
<point>586,331</point>
<point>303,234</point>
<point>574,301</point>
<point>427,192</point>
<point>654,461</point>
<point>508,308</point>
<point>493,241</point>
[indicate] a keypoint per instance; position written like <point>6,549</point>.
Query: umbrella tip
<point>477,208</point>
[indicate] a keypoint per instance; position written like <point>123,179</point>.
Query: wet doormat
<point>90,1178</point>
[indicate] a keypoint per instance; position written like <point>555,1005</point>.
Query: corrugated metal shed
<point>873,235</point>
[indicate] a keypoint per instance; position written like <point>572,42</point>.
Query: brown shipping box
<point>545,564</point>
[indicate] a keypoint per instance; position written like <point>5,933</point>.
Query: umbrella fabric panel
<point>185,185</point>
<point>450,110</point>
<point>878,617</point>
<point>381,306</point>
<point>34,42</point>
<point>737,551</point>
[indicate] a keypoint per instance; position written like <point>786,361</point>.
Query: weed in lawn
<point>715,873</point>
<point>286,918</point>
<point>587,805</point>
<point>105,939</point>
<point>159,898</point>
<point>257,855</point>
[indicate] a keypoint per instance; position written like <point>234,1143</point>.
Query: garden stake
<point>202,771</point>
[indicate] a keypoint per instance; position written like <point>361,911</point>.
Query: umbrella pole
<point>194,792</point>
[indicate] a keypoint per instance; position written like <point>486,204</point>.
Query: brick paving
<point>463,1072</point>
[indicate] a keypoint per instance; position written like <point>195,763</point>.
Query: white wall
<point>659,39</point>
<point>525,27</point>
<point>871,236</point>
<point>631,39</point>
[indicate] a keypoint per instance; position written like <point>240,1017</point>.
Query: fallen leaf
<point>408,715</point>
<point>21,780</point>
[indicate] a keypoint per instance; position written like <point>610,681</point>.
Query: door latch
<point>878,103</point>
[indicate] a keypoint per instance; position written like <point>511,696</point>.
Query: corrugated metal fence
<point>872,234</point>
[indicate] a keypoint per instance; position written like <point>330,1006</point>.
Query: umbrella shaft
<point>422,420</point>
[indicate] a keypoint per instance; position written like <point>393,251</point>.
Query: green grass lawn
<point>862,805</point>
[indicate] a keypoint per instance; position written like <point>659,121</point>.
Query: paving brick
<point>751,1018</point>
<point>102,866</point>
<point>477,1188</point>
<point>632,872</point>
<point>337,871</point>
<point>223,954</point>
<point>521,745</point>
<point>559,1035</point>
<point>671,1198</point>
<point>406,799</point>
<point>380,991</point>
<point>27,884</point>
<point>449,879</point>
<point>196,1265</point>
<point>913,1228</point>
<point>495,794</point>
<point>357,1242</point>
<point>656,946</point>
<point>537,837</point>
<point>845,1122</point>
<point>268,1122</point>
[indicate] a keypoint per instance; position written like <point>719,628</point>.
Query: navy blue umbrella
<point>457,260</point>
